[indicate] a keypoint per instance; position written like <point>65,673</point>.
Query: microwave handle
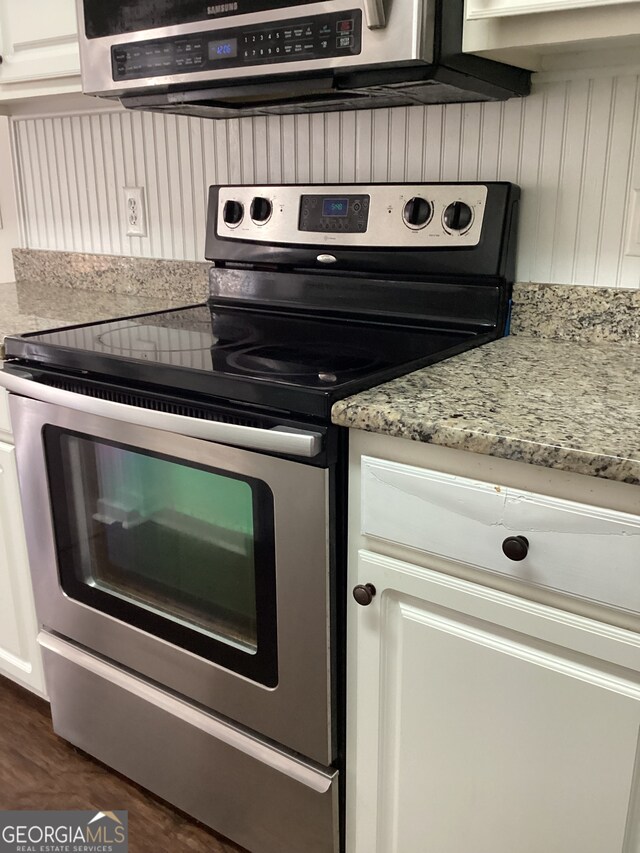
<point>374,14</point>
<point>278,439</point>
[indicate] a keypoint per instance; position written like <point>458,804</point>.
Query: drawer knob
<point>515,547</point>
<point>364,593</point>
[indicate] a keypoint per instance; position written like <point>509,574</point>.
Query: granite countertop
<point>567,404</point>
<point>554,403</point>
<point>31,306</point>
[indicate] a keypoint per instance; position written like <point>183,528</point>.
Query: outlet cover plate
<point>135,212</point>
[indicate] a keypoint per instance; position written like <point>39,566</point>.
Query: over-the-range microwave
<point>223,58</point>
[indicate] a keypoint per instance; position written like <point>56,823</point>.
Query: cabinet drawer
<point>5,422</point>
<point>574,548</point>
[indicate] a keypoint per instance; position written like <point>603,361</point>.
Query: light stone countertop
<point>33,306</point>
<point>559,404</point>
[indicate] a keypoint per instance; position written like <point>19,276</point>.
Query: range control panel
<point>345,214</point>
<point>316,37</point>
<point>385,215</point>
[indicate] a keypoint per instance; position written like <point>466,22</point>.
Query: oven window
<point>116,17</point>
<point>182,551</point>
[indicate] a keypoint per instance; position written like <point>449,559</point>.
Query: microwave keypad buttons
<point>317,37</point>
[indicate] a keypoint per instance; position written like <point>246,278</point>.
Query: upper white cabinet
<point>39,48</point>
<point>548,34</point>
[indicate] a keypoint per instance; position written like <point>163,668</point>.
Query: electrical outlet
<point>135,213</point>
<point>633,235</point>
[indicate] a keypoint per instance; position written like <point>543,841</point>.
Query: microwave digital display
<point>223,49</point>
<point>335,206</point>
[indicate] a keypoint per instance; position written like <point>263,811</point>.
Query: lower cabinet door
<point>20,657</point>
<point>478,721</point>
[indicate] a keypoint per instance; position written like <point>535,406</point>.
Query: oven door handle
<point>278,439</point>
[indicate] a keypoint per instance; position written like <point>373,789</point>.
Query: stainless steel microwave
<point>251,57</point>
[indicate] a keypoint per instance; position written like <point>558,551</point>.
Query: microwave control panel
<point>316,37</point>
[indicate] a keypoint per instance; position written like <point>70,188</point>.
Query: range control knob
<point>233,212</point>
<point>417,212</point>
<point>458,216</point>
<point>261,209</point>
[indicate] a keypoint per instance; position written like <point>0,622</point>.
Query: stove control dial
<point>417,212</point>
<point>261,210</point>
<point>458,216</point>
<point>233,213</point>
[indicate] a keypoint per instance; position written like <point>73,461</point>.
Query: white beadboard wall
<point>573,146</point>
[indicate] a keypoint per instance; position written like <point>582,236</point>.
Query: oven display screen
<point>225,49</point>
<point>335,206</point>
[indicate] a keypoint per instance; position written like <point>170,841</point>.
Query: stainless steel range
<point>185,493</point>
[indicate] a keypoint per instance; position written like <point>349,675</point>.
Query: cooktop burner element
<point>300,362</point>
<point>144,341</point>
<point>305,360</point>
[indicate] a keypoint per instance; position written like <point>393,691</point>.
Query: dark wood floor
<point>38,770</point>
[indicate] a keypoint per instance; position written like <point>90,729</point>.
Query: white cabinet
<point>571,547</point>
<point>5,422</point>
<point>19,652</point>
<point>483,722</point>
<point>507,8</point>
<point>39,48</point>
<point>539,34</point>
<point>493,704</point>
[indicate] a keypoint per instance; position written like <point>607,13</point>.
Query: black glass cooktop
<point>283,361</point>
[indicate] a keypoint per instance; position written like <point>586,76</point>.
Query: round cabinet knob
<point>261,209</point>
<point>458,216</point>
<point>233,212</point>
<point>417,212</point>
<point>515,547</point>
<point>364,593</point>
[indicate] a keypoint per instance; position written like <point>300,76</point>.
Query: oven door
<point>201,566</point>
